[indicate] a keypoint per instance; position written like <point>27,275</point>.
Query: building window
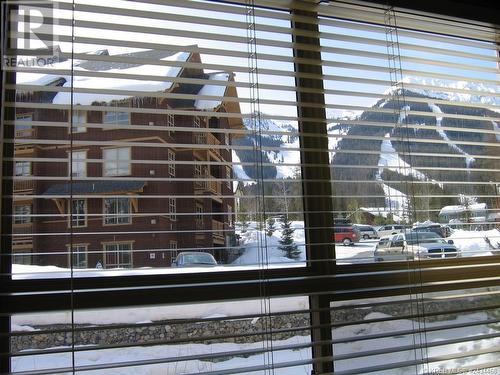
<point>118,118</point>
<point>196,122</point>
<point>117,211</point>
<point>173,250</point>
<point>230,216</point>
<point>170,122</point>
<point>199,216</point>
<point>22,214</point>
<point>78,213</point>
<point>23,168</point>
<point>172,209</point>
<point>197,170</point>
<point>78,164</point>
<point>118,255</point>
<point>117,161</point>
<point>79,119</point>
<point>228,177</point>
<point>23,130</point>
<point>213,123</point>
<point>171,165</point>
<point>79,256</point>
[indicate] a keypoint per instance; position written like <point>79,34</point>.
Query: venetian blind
<point>187,175</point>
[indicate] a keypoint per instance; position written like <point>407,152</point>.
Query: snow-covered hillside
<point>463,91</point>
<point>272,145</point>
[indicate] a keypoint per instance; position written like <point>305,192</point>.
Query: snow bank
<point>261,249</point>
<point>472,243</point>
<point>23,322</point>
<point>356,345</point>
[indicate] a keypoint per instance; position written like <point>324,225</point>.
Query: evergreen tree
<point>270,227</point>
<point>243,218</point>
<point>286,243</point>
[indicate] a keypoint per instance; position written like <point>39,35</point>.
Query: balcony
<point>25,133</point>
<point>207,184</point>
<point>206,139</point>
<point>218,231</point>
<point>200,238</point>
<point>22,236</point>
<point>23,185</point>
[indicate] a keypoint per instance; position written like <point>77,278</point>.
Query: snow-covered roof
<point>121,83</point>
<point>376,211</point>
<point>44,79</point>
<point>446,210</point>
<point>212,90</point>
<point>124,84</point>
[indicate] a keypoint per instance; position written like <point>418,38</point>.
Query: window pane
<point>409,148</point>
<point>117,211</point>
<point>117,161</point>
<point>187,107</point>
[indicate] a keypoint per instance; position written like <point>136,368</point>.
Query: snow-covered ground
<point>261,250</point>
<point>356,345</point>
<point>471,243</point>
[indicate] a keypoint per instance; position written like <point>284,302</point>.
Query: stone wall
<point>221,330</point>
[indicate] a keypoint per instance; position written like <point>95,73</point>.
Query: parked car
<point>346,235</point>
<point>414,245</point>
<point>390,229</point>
<point>442,230</point>
<point>194,259</point>
<point>366,231</point>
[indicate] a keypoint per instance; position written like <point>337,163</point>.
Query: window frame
<point>118,252</point>
<point>72,217</point>
<point>281,286</point>
<point>199,215</point>
<point>172,209</point>
<point>22,218</point>
<point>171,166</point>
<point>114,216</point>
<point>79,161</point>
<point>85,246</point>
<point>23,170</point>
<point>78,114</point>
<point>170,123</point>
<point>115,120</point>
<point>117,161</point>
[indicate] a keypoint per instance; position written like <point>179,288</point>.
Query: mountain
<point>266,145</point>
<point>388,171</point>
<point>400,169</point>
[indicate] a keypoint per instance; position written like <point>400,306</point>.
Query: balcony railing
<point>207,139</point>
<point>218,229</point>
<point>210,186</point>
<point>25,133</point>
<point>23,185</point>
<point>22,236</point>
<point>214,187</point>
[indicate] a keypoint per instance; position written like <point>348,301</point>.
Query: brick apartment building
<point>141,191</point>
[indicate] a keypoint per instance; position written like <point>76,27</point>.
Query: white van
<point>390,229</point>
